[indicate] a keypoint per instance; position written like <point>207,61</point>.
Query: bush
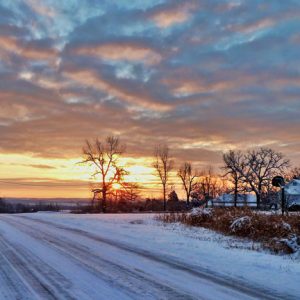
<point>241,226</point>
<point>275,232</point>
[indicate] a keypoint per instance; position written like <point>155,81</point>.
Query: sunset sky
<point>204,76</point>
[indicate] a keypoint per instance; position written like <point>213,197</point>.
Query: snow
<point>132,256</point>
<point>200,211</point>
<point>286,226</point>
<point>240,223</point>
<point>293,243</point>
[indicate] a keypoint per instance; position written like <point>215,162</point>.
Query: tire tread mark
<point>26,272</point>
<point>10,278</point>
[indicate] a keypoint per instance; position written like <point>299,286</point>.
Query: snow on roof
<point>293,187</point>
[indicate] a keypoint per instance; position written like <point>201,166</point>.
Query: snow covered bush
<point>286,226</point>
<point>283,226</point>
<point>292,242</point>
<point>200,212</point>
<point>198,216</point>
<point>241,225</point>
<point>273,231</point>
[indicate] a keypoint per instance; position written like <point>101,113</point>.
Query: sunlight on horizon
<point>27,176</point>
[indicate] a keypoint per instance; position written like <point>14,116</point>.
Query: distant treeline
<point>6,207</point>
<point>126,206</point>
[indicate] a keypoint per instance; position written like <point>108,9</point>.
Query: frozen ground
<point>131,256</point>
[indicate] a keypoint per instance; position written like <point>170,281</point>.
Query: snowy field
<point>131,256</point>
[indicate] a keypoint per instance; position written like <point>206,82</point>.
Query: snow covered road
<point>62,256</point>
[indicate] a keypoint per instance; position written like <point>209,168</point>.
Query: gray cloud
<point>204,76</point>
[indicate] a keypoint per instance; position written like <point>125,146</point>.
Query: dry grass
<point>272,230</point>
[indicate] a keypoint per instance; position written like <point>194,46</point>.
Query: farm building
<point>228,200</point>
<point>292,194</point>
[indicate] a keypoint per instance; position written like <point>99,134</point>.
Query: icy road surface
<point>64,256</point>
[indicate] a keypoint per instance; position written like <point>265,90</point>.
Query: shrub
<point>241,226</point>
<point>275,232</point>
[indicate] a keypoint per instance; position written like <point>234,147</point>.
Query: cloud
<point>39,50</point>
<point>121,51</point>
<point>37,166</point>
<point>168,15</point>
<point>42,9</point>
<point>140,97</point>
<point>167,19</point>
<point>182,87</point>
<point>254,26</point>
<point>41,166</point>
<point>31,50</point>
<point>203,76</point>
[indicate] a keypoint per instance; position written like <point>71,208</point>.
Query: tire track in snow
<point>26,271</point>
<point>132,281</point>
<point>233,284</point>
<point>14,286</point>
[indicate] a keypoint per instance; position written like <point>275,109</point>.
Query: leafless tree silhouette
<point>104,156</point>
<point>259,167</point>
<point>209,185</point>
<point>234,164</point>
<point>163,165</point>
<point>130,191</point>
<point>187,176</point>
<point>293,173</point>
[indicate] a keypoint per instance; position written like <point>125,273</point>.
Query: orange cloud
<point>184,86</point>
<point>38,54</point>
<point>169,17</point>
<point>14,111</point>
<point>26,50</point>
<point>122,51</point>
<point>9,44</point>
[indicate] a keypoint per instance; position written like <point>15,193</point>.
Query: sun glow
<point>24,175</point>
<point>116,186</point>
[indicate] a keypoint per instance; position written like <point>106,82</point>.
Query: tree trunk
<point>165,202</point>
<point>258,198</point>
<point>235,194</point>
<point>104,200</point>
<point>93,202</point>
<point>259,195</point>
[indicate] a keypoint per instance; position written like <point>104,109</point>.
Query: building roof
<point>293,187</point>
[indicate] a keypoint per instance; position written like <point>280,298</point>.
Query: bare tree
<point>105,158</point>
<point>130,191</point>
<point>163,165</point>
<point>208,185</point>
<point>293,173</point>
<point>187,176</point>
<point>259,167</point>
<point>234,163</point>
